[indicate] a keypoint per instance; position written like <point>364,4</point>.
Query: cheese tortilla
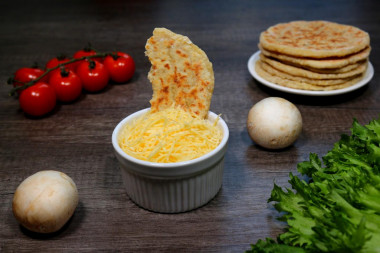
<point>314,39</point>
<point>181,73</point>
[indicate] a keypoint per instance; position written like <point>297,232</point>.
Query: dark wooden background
<point>76,138</point>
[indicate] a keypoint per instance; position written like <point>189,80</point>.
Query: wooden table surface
<point>76,137</point>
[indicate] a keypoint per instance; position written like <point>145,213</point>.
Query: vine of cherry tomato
<point>64,79</point>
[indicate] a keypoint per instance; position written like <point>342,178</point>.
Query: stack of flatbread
<point>313,55</point>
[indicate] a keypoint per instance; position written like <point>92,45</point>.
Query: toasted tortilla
<point>296,71</point>
<point>325,64</point>
<point>314,39</point>
<point>320,82</point>
<point>302,85</point>
<point>181,73</point>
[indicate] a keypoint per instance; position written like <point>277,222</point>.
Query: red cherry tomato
<point>67,85</point>
<point>38,100</point>
<point>25,75</point>
<point>120,68</point>
<point>83,53</point>
<point>58,60</point>
<point>94,75</point>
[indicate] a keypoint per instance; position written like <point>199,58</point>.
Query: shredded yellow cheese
<point>168,136</point>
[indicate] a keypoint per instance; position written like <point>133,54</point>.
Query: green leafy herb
<point>337,209</point>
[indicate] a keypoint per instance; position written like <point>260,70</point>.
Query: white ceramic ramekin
<point>172,187</point>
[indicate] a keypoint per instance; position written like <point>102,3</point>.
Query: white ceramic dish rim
<point>251,68</point>
<point>174,169</point>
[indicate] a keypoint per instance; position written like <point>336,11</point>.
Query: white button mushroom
<point>274,123</point>
<point>45,201</point>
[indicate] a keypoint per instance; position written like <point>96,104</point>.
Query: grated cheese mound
<point>168,136</point>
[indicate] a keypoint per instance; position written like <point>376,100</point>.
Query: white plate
<point>251,67</point>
